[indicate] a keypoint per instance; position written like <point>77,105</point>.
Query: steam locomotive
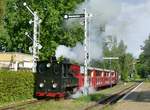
<point>55,79</point>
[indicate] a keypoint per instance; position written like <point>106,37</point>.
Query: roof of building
<point>15,56</point>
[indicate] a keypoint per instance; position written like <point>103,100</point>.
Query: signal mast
<point>36,32</point>
<point>86,53</point>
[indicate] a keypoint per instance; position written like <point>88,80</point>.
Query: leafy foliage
<point>16,86</point>
<point>2,6</point>
<point>51,13</point>
<point>3,33</point>
<point>124,65</point>
<point>143,65</point>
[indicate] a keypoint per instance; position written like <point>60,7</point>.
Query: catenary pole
<point>86,82</point>
<point>35,48</point>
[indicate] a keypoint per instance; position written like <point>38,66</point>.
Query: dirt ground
<point>139,99</point>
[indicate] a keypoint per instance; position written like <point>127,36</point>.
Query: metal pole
<point>110,74</point>
<point>35,42</point>
<point>85,54</point>
<point>35,33</point>
<point>110,62</point>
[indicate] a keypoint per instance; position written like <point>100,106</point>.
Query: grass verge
<point>79,103</point>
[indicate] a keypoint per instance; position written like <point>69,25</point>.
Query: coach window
<point>97,73</point>
<point>100,73</point>
<point>108,74</point>
<point>105,74</point>
<point>113,74</point>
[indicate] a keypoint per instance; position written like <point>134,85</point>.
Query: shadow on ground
<point>143,96</point>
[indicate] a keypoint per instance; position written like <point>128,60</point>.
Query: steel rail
<point>22,105</point>
<point>102,103</point>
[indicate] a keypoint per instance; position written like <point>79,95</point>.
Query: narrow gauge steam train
<point>58,79</point>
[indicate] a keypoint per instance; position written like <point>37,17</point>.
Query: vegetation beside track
<point>16,86</point>
<point>79,103</point>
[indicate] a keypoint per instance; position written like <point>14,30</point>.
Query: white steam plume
<point>125,19</point>
<point>79,92</point>
<point>75,53</point>
<point>103,11</point>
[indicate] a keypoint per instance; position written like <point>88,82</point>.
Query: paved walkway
<point>139,99</point>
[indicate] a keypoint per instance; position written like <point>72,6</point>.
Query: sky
<point>127,20</point>
<point>132,24</point>
<point>133,1</point>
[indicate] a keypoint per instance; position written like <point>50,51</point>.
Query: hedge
<point>15,86</point>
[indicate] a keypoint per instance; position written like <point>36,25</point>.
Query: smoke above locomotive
<point>123,19</point>
<point>100,17</point>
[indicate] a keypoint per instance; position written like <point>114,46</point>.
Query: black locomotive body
<point>54,79</point>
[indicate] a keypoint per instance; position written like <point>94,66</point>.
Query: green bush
<point>16,86</point>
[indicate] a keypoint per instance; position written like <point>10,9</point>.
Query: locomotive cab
<point>54,79</point>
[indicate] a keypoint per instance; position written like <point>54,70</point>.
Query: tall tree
<point>3,34</point>
<point>52,31</point>
<point>124,64</point>
<point>1,10</point>
<point>144,65</point>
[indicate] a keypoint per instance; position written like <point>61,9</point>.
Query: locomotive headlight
<point>54,85</point>
<point>48,65</point>
<point>41,85</point>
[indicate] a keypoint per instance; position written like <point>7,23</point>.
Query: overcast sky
<point>132,24</point>
<point>134,1</point>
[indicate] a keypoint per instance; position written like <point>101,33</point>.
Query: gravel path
<point>139,99</point>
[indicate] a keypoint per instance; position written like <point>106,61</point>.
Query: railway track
<point>102,103</point>
<point>23,105</point>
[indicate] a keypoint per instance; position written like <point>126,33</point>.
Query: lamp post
<point>35,47</point>
<point>86,17</point>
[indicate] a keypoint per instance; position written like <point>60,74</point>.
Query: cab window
<point>42,68</point>
<point>56,69</point>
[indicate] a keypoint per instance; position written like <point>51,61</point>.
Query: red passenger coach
<point>97,77</point>
<point>102,77</point>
